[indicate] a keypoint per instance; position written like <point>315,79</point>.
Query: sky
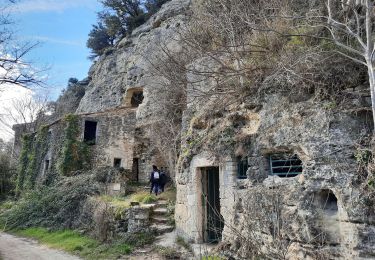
<point>61,27</point>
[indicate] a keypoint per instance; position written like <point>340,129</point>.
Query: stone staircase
<point>159,218</point>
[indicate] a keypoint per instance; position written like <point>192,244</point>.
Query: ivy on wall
<point>34,149</point>
<point>39,150</point>
<point>27,141</point>
<point>75,154</point>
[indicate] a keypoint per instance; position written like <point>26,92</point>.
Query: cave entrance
<point>212,220</point>
<point>90,132</point>
<point>327,201</point>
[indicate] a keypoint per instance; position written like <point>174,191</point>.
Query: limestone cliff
<point>126,65</point>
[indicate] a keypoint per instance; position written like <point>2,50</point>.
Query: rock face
<point>322,213</point>
<point>127,65</point>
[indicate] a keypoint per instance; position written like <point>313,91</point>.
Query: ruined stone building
<point>294,170</point>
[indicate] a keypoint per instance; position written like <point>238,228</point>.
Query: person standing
<point>154,180</point>
<point>163,179</point>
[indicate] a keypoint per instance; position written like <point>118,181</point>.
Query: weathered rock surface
<point>128,63</point>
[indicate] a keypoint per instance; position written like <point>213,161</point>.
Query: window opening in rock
<point>242,166</point>
<point>285,165</point>
<point>327,201</point>
<point>137,98</point>
<point>117,162</point>
<point>90,132</point>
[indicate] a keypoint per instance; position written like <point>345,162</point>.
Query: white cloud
<point>28,6</point>
<point>8,95</point>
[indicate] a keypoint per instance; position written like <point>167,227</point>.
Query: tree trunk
<point>371,74</point>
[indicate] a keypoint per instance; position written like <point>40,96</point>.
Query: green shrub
<point>149,199</point>
<point>54,206</point>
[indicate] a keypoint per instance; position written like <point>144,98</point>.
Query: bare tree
<point>14,67</point>
<point>169,94</point>
<point>29,112</point>
<point>350,23</point>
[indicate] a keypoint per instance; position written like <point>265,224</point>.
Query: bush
<point>56,206</point>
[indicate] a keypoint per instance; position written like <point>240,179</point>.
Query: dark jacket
<point>163,178</point>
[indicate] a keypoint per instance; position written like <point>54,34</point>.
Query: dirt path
<point>16,248</point>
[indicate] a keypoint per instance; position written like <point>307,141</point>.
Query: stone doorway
<point>136,169</point>
<point>212,219</point>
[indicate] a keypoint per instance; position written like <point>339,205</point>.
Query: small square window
<point>117,162</point>
<point>285,165</point>
<point>242,166</point>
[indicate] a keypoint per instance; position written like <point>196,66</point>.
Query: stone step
<point>162,202</point>
<point>159,220</point>
<point>161,228</point>
<point>160,211</point>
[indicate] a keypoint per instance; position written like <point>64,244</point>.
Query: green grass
<point>75,243</point>
<point>66,240</point>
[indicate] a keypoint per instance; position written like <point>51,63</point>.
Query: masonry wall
<point>114,138</point>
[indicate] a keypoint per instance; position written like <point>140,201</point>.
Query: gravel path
<point>16,248</point>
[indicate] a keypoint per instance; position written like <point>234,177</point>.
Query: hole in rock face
<point>327,201</point>
<point>117,162</point>
<point>137,98</point>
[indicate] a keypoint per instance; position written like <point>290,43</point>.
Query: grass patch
<point>143,197</point>
<point>75,243</point>
<point>66,240</point>
<point>149,199</point>
<point>169,194</point>
<point>124,202</point>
